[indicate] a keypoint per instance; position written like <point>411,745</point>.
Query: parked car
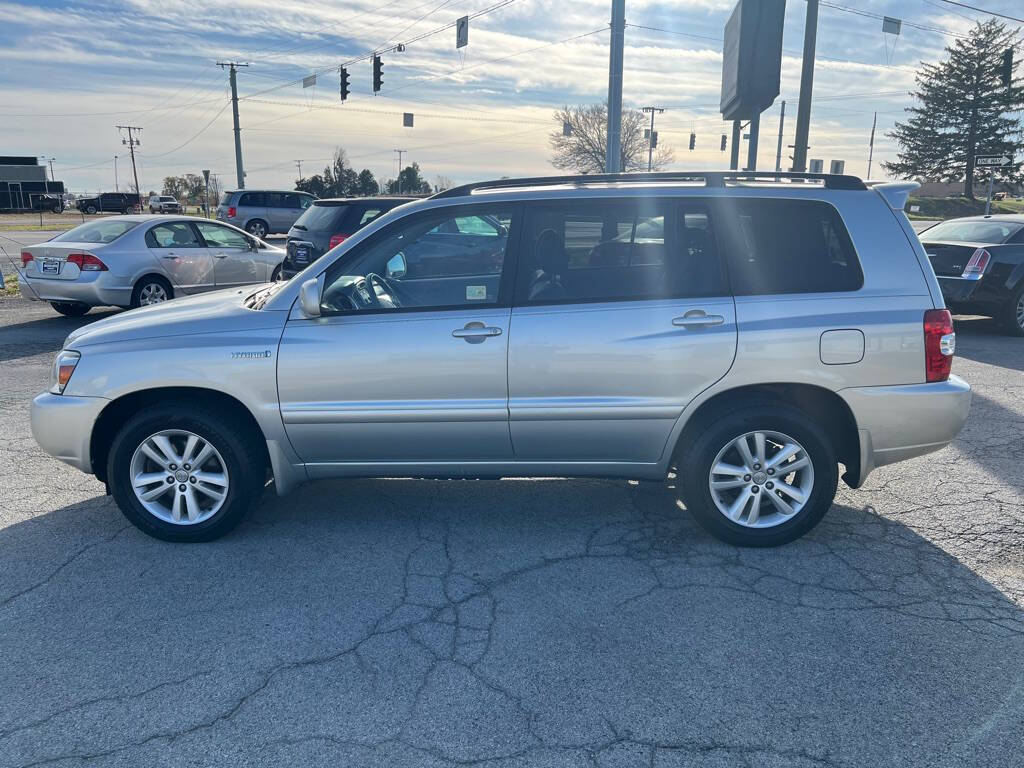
<point>327,223</point>
<point>750,339</point>
<point>263,212</point>
<point>49,202</point>
<point>109,202</point>
<point>164,204</point>
<point>979,261</point>
<point>137,260</point>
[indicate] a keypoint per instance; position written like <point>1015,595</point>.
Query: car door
<point>405,368</point>
<point>182,255</point>
<point>235,260</point>
<point>621,318</point>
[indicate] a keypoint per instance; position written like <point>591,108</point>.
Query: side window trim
<point>510,263</point>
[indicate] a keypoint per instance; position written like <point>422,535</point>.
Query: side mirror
<point>309,298</point>
<point>396,266</point>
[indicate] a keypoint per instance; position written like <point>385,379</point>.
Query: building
<point>22,182</point>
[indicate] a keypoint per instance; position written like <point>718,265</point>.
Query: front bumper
<point>94,289</point>
<point>900,422</point>
<point>63,424</point>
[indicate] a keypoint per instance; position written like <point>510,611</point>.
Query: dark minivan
<point>326,223</point>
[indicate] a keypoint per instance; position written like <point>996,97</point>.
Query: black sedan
<point>979,261</point>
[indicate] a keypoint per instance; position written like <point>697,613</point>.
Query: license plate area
<point>301,253</point>
<point>50,267</point>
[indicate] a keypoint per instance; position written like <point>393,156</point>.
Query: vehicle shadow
<point>470,620</point>
<point>45,334</point>
<point>983,340</point>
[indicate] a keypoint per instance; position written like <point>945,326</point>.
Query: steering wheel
<point>389,288</point>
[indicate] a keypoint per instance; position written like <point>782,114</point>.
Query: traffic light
<point>378,73</point>
<point>1006,71</point>
<point>344,83</point>
<point>723,142</point>
<point>693,140</point>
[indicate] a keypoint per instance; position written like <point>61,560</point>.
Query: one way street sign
<point>985,161</point>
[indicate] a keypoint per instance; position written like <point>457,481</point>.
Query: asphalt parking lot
<point>516,623</point>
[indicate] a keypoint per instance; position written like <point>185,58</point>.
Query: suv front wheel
<point>188,476</point>
<point>760,476</point>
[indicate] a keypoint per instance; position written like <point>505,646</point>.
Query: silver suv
<point>263,212</point>
<point>748,333</point>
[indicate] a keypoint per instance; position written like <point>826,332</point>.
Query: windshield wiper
<point>261,298</point>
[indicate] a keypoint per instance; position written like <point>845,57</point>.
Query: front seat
<point>552,261</point>
<point>182,237</point>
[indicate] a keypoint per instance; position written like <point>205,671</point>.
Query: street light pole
<point>803,112</point>
<point>115,174</point>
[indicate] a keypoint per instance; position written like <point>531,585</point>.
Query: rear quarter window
<point>788,246</point>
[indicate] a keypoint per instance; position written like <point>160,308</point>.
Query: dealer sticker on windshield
<point>476,292</point>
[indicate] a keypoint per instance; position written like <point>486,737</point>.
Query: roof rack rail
<point>710,179</point>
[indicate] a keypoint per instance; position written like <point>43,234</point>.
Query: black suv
<point>110,202</point>
<point>326,223</point>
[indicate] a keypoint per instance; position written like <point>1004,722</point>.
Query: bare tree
<point>584,149</point>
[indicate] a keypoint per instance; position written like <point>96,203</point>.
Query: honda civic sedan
<point>132,261</point>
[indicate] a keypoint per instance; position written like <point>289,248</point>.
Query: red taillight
<point>26,257</point>
<point>232,212</point>
<point>976,266</point>
<point>86,262</point>
<point>337,240</point>
<point>939,344</point>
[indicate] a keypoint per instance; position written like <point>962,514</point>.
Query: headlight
<point>63,367</point>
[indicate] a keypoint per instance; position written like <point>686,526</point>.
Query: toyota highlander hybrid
<point>750,333</point>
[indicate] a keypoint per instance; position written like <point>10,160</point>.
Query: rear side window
<point>254,199</point>
<point>617,251</point>
<point>788,246</point>
<point>178,234</point>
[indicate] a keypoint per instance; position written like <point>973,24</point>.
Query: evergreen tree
<point>964,109</point>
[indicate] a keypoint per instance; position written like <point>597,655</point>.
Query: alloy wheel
<point>1019,315</point>
<point>761,479</point>
<point>179,477</point>
<point>152,293</point>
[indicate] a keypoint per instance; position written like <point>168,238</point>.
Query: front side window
<point>788,246</point>
<point>217,236</point>
<point>621,250</point>
<point>178,234</point>
<point>424,262</point>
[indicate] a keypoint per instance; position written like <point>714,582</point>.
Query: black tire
<point>1009,318</point>
<point>244,463</point>
<point>696,461</point>
<point>140,289</point>
<point>90,209</point>
<point>258,228</point>
<point>275,276</point>
<point>70,308</point>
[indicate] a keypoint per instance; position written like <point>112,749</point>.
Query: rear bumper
<point>96,292</point>
<point>957,290</point>
<point>901,422</point>
<point>62,425</point>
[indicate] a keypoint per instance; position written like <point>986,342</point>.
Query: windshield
<point>104,231</point>
<point>988,232</point>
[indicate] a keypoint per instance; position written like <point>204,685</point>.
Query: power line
<point>194,136</point>
<point>982,10</point>
<point>905,23</point>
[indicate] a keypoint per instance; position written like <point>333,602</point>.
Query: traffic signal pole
<point>613,154</point>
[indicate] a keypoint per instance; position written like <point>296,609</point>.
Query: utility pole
<point>132,143</point>
<point>734,154</point>
<point>613,154</point>
<point>232,76</point>
<point>871,144</point>
<point>298,164</point>
<point>115,174</point>
<point>50,160</point>
<point>650,138</point>
<point>398,178</point>
<point>803,112</point>
<point>778,151</point>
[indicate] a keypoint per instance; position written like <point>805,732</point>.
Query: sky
<point>72,71</point>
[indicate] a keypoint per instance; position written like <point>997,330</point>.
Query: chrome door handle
<point>220,255</point>
<point>476,332</point>
<point>171,257</point>
<point>697,320</point>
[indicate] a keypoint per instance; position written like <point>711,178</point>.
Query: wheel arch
<point>822,405</point>
<point>115,413</point>
<point>153,273</point>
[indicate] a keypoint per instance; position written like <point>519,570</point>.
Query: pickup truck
<point>109,202</point>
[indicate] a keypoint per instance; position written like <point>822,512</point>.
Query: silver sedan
<point>131,261</point>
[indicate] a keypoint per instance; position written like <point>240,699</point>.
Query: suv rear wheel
<point>257,227</point>
<point>184,474</point>
<point>90,209</point>
<point>761,476</point>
